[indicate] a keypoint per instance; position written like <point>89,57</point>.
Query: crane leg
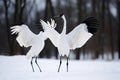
<point>60,63</point>
<point>67,64</point>
<point>37,64</point>
<point>32,64</point>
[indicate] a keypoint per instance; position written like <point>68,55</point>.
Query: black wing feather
<point>92,24</point>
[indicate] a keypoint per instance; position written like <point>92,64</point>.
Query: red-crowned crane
<point>75,39</point>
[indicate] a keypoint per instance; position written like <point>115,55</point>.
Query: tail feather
<point>92,24</point>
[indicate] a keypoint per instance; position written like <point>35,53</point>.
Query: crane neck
<point>64,25</point>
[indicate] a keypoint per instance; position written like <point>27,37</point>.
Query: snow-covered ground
<point>19,68</point>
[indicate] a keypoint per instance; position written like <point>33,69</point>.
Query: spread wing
<point>25,35</point>
<point>82,33</point>
<point>78,37</point>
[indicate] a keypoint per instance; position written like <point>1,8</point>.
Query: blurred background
<point>105,44</point>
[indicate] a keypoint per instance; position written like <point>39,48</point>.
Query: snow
<point>19,68</point>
